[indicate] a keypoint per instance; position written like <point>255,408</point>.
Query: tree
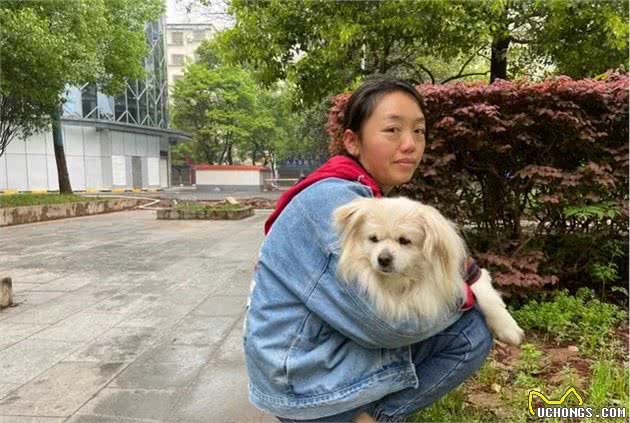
<point>47,46</point>
<point>228,114</point>
<point>324,46</point>
<point>307,136</point>
<point>218,106</point>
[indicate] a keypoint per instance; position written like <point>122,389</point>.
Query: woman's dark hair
<point>363,101</point>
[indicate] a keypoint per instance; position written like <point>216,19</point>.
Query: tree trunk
<point>222,156</point>
<point>229,154</point>
<point>60,155</point>
<point>255,155</point>
<point>498,61</point>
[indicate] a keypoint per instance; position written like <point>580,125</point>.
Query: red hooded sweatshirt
<point>347,168</point>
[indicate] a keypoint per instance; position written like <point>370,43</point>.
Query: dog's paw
<point>506,329</point>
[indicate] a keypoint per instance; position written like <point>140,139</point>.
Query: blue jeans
<point>442,362</point>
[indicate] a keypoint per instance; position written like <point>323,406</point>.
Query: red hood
<point>341,167</point>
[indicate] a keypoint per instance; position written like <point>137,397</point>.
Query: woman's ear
<point>351,142</point>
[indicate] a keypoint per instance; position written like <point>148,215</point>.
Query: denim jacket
<point>314,344</point>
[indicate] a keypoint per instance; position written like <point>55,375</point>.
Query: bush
<point>528,169</point>
<point>197,207</point>
<point>28,199</point>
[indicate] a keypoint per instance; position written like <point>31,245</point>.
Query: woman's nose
<point>408,142</point>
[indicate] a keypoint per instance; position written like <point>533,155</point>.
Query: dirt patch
<point>165,203</point>
<point>622,334</point>
<point>506,355</point>
<point>259,203</point>
<point>556,362</point>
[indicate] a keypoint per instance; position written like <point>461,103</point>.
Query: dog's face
<point>396,235</point>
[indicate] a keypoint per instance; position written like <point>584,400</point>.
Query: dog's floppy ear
<point>348,218</point>
<point>442,241</point>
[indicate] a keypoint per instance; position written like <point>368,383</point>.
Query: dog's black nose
<point>384,259</point>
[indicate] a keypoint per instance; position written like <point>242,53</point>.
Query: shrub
<point>528,169</point>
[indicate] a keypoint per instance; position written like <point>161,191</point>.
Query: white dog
<point>409,260</point>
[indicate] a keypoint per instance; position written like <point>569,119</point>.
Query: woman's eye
<point>404,241</point>
<point>373,238</point>
<point>419,131</point>
<point>391,129</point>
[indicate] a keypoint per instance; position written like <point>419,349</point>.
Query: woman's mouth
<point>408,164</point>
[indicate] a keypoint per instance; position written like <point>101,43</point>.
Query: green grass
<point>207,207</point>
<point>17,200</point>
<point>580,318</point>
<point>609,384</point>
<point>453,408</point>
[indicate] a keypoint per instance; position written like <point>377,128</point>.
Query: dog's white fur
<point>424,275</point>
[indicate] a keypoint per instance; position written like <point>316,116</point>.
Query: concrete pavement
<point>122,318</point>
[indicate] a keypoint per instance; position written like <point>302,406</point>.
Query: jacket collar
<point>342,167</point>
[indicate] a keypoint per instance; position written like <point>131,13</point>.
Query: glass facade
<point>143,103</point>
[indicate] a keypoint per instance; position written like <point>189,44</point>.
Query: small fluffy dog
<point>409,260</point>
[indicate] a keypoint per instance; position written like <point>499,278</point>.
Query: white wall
<point>31,165</point>
<point>228,177</point>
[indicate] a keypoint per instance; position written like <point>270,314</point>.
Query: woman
<point>315,348</point>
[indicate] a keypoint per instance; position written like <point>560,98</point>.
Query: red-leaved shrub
<point>536,174</point>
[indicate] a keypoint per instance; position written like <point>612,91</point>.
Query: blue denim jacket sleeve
<point>340,303</point>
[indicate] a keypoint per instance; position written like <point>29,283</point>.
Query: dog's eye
<point>373,238</point>
<point>403,241</point>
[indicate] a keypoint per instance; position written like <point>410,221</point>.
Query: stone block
<point>6,292</point>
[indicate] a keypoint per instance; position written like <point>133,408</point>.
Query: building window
<point>88,98</point>
<point>132,102</point>
<point>72,105</point>
<point>177,38</point>
<point>105,106</point>
<point>199,35</point>
<point>178,77</point>
<point>120,108</point>
<point>177,59</point>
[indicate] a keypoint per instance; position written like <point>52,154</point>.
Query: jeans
<point>442,362</point>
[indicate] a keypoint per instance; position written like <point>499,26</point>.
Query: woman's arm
<point>314,257</point>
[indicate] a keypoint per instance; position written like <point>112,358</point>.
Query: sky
<point>193,11</point>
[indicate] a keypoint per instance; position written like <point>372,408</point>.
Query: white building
<point>182,41</point>
<point>110,143</point>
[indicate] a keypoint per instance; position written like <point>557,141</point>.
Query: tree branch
<point>464,75</point>
<point>460,73</point>
<point>428,72</point>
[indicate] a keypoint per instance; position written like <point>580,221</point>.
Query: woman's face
<point>391,141</point>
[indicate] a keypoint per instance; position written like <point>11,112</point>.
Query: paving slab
<point>28,419</point>
<point>119,344</point>
<point>205,331</point>
<point>15,332</point>
<point>130,319</point>
<point>202,404</point>
<point>50,312</point>
<point>147,404</point>
<point>64,283</point>
<point>160,316</point>
<point>27,359</point>
<point>60,391</point>
<point>164,366</point>
<point>35,296</point>
<point>83,326</point>
<point>7,388</point>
